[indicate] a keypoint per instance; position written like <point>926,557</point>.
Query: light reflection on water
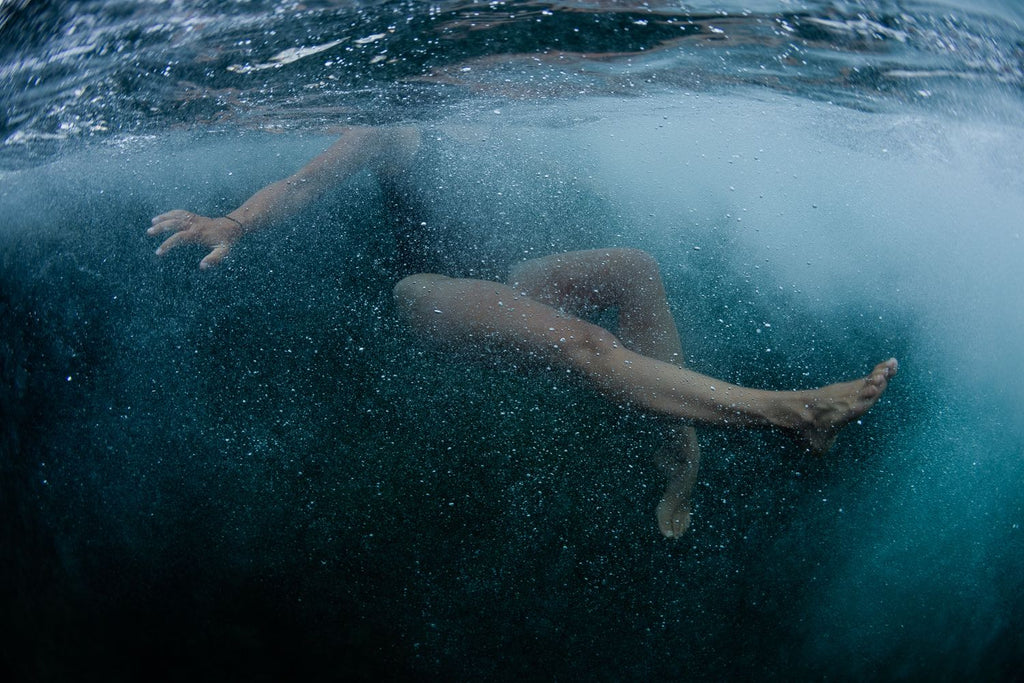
<point>95,70</point>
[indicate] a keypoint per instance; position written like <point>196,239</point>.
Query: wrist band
<point>234,221</point>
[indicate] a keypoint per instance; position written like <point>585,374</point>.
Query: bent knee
<point>636,261</point>
<point>415,291</point>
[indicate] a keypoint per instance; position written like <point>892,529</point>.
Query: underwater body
<point>257,471</point>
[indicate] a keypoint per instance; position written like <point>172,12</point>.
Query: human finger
<point>166,226</point>
<point>215,256</point>
<point>174,213</point>
<point>173,240</point>
<point>172,220</point>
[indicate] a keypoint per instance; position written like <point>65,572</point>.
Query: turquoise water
<point>255,471</point>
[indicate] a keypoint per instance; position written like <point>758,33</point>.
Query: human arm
<point>381,150</point>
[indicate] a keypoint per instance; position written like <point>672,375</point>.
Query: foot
<point>828,409</point>
<point>673,514</point>
<point>680,460</point>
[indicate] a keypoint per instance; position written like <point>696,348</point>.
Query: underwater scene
<point>338,340</point>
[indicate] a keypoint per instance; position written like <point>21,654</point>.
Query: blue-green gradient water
<point>255,472</point>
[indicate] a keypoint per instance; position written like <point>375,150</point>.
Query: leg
<point>629,280</point>
<point>470,313</point>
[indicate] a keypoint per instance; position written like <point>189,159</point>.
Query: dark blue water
<point>257,472</point>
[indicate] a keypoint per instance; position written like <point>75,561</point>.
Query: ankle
<point>796,411</point>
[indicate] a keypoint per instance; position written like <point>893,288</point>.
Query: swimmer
<point>539,314</point>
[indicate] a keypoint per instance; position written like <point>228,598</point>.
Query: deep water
<point>256,472</point>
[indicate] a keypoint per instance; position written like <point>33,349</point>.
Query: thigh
<point>581,282</point>
<point>489,317</point>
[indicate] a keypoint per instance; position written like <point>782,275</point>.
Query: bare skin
<point>464,312</point>
<point>467,313</point>
<point>381,150</point>
<point>630,281</point>
<point>679,459</point>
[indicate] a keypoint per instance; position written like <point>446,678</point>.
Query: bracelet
<point>234,221</point>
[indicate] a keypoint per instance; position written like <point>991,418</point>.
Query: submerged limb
<point>628,280</point>
<point>679,459</point>
<point>385,151</point>
<point>466,314</point>
<point>190,228</point>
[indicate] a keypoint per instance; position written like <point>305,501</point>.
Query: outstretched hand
<point>191,228</point>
